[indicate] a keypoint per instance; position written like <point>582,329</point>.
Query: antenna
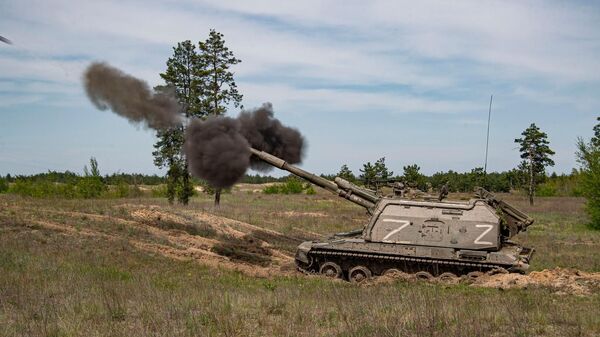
<point>487,142</point>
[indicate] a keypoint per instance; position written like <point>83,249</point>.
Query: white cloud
<point>289,98</point>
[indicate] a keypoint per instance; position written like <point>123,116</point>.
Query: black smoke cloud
<point>130,97</point>
<point>266,133</point>
<point>218,148</point>
<point>217,151</point>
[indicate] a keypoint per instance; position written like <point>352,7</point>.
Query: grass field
<point>140,267</point>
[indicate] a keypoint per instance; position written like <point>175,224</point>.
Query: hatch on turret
<point>470,225</point>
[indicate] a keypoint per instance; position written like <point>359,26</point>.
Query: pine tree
<point>91,184</point>
<point>374,174</point>
<point>588,156</point>
<point>368,175</point>
<point>535,152</point>
<point>204,86</point>
<point>182,77</point>
<point>413,177</point>
<point>596,138</point>
<point>216,81</point>
<point>168,155</point>
<point>381,170</point>
<point>345,173</point>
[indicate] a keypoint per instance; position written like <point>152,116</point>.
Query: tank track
<point>379,263</point>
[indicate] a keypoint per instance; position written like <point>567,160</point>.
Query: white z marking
<point>489,228</point>
<point>404,224</point>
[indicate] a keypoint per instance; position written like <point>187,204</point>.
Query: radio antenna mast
<point>487,142</point>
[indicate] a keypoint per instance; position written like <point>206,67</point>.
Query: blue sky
<point>410,81</point>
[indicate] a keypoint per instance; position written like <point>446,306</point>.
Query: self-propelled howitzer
<point>430,238</point>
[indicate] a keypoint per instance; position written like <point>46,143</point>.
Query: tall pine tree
<point>204,85</point>
<point>216,84</point>
<point>346,173</point>
<point>181,76</point>
<point>535,152</point>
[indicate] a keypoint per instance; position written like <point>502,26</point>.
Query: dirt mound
<point>180,234</point>
<point>562,280</point>
<point>237,242</point>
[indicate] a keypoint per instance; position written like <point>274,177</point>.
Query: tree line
<point>465,182</point>
<point>530,174</point>
<point>92,184</point>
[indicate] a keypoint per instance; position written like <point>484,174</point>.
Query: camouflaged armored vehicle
<point>428,237</point>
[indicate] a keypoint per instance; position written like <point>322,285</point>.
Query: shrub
<point>43,189</point>
<point>310,190</point>
<point>272,189</point>
<point>122,190</point>
<point>160,191</point>
<point>91,187</point>
<point>292,186</point>
<point>547,189</point>
<point>3,185</point>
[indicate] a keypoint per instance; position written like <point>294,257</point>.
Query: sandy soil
<point>563,281</point>
<point>560,280</point>
<point>177,243</point>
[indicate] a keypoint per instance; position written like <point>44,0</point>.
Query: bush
<point>547,189</point>
<point>272,189</point>
<point>160,191</point>
<point>123,190</point>
<point>3,185</point>
<point>310,190</point>
<point>43,189</point>
<point>291,186</point>
<point>91,187</point>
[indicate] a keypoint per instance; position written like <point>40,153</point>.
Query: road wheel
<point>423,275</point>
<point>359,274</point>
<point>392,272</point>
<point>497,270</point>
<point>448,277</point>
<point>474,275</point>
<point>331,269</point>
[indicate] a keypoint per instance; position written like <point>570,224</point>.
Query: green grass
<point>53,283</point>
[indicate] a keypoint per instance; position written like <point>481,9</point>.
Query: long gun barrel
<point>341,187</point>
